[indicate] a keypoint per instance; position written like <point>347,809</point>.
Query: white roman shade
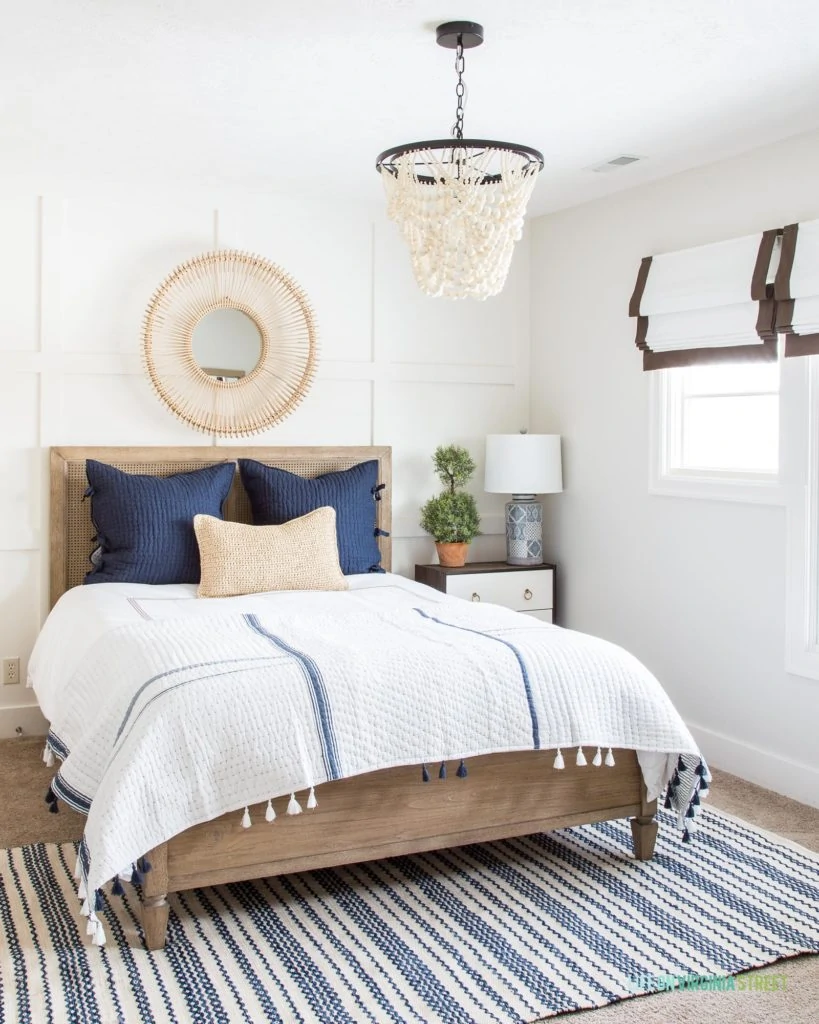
<point>713,303</point>
<point>797,289</point>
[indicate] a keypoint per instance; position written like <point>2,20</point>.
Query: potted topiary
<point>452,517</point>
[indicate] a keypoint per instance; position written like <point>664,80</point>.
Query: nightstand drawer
<point>522,591</point>
<point>544,614</point>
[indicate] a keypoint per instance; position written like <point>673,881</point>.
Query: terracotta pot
<point>452,555</point>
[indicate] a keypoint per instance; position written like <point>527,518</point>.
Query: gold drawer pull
<point>476,597</point>
<point>527,593</point>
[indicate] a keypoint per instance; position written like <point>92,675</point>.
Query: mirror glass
<point>227,344</point>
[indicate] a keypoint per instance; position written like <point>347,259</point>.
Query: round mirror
<point>227,344</point>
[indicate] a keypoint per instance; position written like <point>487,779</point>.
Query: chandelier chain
<point>460,90</point>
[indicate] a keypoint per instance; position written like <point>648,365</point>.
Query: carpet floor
<point>24,819</point>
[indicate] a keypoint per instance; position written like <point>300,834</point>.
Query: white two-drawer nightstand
<point>523,588</point>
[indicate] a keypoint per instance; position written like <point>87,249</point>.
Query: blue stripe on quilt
<point>318,694</point>
<point>527,685</point>
<point>176,671</point>
<point>80,801</point>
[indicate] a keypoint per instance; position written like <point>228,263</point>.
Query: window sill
<point>715,488</point>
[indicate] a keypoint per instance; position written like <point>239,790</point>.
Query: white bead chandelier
<point>459,202</point>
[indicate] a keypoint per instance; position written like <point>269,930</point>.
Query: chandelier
<point>459,202</point>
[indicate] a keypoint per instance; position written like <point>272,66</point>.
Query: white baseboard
<point>27,717</point>
<point>781,774</point>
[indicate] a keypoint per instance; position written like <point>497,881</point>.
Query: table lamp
<point>523,465</point>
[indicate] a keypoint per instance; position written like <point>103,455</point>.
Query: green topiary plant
<point>454,466</point>
<point>452,517</point>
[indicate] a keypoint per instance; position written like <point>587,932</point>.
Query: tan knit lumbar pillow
<point>301,554</point>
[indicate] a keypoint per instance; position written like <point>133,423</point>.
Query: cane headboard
<point>72,531</point>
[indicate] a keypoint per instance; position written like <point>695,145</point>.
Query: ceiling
<point>301,97</point>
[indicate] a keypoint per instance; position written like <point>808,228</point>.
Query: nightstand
<point>524,588</point>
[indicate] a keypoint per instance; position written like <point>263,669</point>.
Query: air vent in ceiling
<point>615,163</point>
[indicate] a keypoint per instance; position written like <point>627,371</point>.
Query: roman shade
<point>797,289</point>
<point>713,303</point>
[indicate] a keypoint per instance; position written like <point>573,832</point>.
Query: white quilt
<point>175,711</point>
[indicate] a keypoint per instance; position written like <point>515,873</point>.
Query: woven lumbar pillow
<point>301,554</point>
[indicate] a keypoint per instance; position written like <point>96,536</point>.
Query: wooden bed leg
<point>155,921</point>
<point>644,836</point>
<point>155,898</point>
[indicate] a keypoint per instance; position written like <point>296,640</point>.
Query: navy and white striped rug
<point>501,932</point>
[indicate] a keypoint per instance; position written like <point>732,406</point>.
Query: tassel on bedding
<point>559,763</point>
<point>462,770</point>
<point>580,760</point>
<point>609,759</point>
<point>598,758</point>
<point>269,814</point>
<point>312,803</point>
<point>246,822</point>
<point>294,807</point>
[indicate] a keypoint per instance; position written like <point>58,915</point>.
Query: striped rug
<point>502,932</point>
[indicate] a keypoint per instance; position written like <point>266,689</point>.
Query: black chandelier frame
<point>458,36</point>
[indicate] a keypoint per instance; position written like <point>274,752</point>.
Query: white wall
<point>76,272</point>
<point>695,588</point>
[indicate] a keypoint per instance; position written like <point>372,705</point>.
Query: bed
<point>370,815</point>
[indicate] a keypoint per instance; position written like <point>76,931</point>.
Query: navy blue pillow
<point>144,524</point>
<point>277,496</point>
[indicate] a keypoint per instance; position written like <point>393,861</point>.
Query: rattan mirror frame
<point>230,279</point>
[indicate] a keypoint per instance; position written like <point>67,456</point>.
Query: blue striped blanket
<point>169,723</point>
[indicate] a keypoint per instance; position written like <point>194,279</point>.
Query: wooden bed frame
<point>380,814</point>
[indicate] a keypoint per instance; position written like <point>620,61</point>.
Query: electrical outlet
<point>11,671</point>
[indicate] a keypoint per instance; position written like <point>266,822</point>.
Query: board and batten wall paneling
<point>396,366</point>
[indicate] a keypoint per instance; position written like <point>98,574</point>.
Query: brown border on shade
<point>760,289</point>
<point>764,353</point>
<point>766,320</point>
<point>801,345</point>
<point>795,344</point>
<point>782,284</point>
<point>784,316</point>
<point>640,286</point>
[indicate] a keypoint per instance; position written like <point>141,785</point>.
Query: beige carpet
<point>24,818</point>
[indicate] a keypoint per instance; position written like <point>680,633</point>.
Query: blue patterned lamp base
<point>524,531</point>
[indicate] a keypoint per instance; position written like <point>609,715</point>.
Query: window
<point>715,432</point>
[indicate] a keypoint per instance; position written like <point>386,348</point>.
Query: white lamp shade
<point>523,464</point>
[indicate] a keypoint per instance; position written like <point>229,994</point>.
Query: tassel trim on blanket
<point>462,771</point>
<point>293,808</point>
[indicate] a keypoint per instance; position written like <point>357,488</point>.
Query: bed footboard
<point>391,813</point>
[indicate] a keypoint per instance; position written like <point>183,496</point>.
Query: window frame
<point>714,485</point>
<point>802,545</point>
